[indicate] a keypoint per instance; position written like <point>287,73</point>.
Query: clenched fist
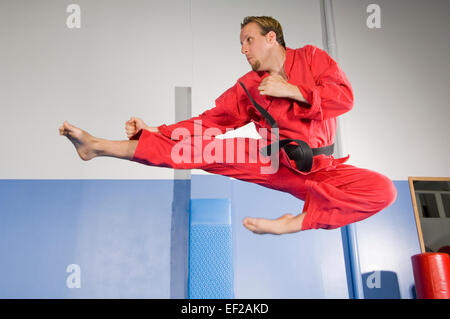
<point>135,124</point>
<point>276,86</point>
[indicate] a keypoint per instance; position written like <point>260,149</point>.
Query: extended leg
<point>155,149</point>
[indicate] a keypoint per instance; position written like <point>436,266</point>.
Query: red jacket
<point>320,80</point>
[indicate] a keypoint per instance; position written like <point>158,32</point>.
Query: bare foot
<point>287,223</point>
<point>84,142</point>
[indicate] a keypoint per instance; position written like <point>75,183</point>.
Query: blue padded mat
<point>210,249</point>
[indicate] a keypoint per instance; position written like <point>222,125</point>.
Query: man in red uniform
<point>304,90</point>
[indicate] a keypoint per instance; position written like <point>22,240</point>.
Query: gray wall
<point>126,59</point>
<point>128,56</point>
<point>400,76</point>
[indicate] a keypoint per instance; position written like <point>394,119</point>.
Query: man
<point>304,90</point>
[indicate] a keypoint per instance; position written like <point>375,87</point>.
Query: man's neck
<point>277,62</point>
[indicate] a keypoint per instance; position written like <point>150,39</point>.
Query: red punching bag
<point>432,275</point>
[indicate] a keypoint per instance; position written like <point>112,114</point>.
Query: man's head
<point>260,37</point>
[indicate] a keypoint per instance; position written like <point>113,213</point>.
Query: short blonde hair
<point>266,24</point>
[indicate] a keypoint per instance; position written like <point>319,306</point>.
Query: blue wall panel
<point>117,231</point>
<point>386,242</point>
<point>302,265</point>
<point>129,238</point>
<point>307,264</point>
<point>210,249</point>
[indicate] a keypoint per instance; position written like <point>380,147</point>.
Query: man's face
<point>255,46</point>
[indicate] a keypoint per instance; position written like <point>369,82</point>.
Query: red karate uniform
<point>335,194</point>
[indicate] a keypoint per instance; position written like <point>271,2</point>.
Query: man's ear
<point>271,37</point>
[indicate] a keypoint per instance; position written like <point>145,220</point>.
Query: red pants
<point>334,197</point>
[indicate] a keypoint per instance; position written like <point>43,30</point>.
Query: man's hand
<point>277,86</point>
<point>135,124</point>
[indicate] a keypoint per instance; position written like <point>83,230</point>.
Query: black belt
<point>302,154</point>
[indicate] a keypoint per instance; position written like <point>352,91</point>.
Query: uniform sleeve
<point>227,113</point>
<point>331,93</point>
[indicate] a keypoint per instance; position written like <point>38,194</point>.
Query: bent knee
<point>390,193</point>
<point>386,194</point>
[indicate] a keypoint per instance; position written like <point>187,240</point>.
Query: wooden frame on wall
<point>411,181</point>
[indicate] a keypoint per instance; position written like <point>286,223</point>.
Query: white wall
<point>129,55</point>
<point>400,76</point>
<point>125,60</point>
